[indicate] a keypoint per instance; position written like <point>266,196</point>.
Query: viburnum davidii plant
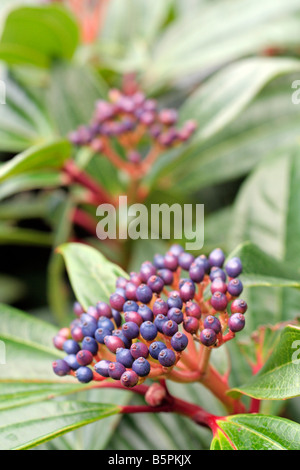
<point>162,324</point>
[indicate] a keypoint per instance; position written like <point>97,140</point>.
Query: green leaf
<point>23,118</point>
<point>92,276</point>
<point>46,156</point>
<point>72,95</point>
<point>31,425</point>
<point>27,341</point>
<point>261,269</point>
<point>279,378</point>
<point>227,93</point>
<point>28,181</point>
<point>256,432</point>
<point>251,27</point>
<point>51,33</point>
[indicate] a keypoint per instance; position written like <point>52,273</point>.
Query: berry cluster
<point>127,122</point>
<point>155,320</point>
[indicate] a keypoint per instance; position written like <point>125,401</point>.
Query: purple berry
<point>219,301</point>
<point>235,287</point>
<point>61,367</point>
<point>101,333</point>
<point>144,294</point>
<point>148,330</point>
<point>167,357</point>
<point>169,328</point>
<point>193,310</point>
<point>187,291</point>
<point>116,317</point>
<point>171,261</point>
<point>113,343</point>
<point>139,350</point>
<point>124,356</point>
<point>130,291</point>
<point>84,357</point>
<point>208,337</point>
<point>145,312</point>
<point>117,301</point>
<point>159,322</point>
<point>236,322</point>
<point>176,249</point>
<point>71,346</point>
<point>174,300</point>
<point>216,258</point>
<point>212,323</point>
<point>185,260</point>
<point>160,307</point>
<point>239,306</point>
<point>147,270</point>
<point>159,261</point>
<point>155,348</point>
<point>141,367</point>
<point>217,273</point>
<point>196,272</point>
<point>191,325</point>
<point>72,362</point>
<point>179,341</point>
<point>134,317</point>
<point>129,379</point>
<point>102,368</point>
<point>106,323</point>
<point>166,275</point>
<point>176,315</point>
<point>130,306</point>
<point>218,285</point>
<point>78,309</point>
<point>234,267</point>
<point>90,344</point>
<point>130,330</point>
<point>116,370</point>
<point>156,284</point>
<point>84,375</point>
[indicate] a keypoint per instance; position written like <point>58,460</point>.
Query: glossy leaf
<point>279,378</point>
<point>92,276</point>
<point>46,156</point>
<point>30,425</point>
<point>256,432</point>
<point>50,33</point>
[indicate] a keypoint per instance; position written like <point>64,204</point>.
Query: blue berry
<point>155,348</point>
<point>192,309</point>
<point>90,344</point>
<point>208,337</point>
<point>148,330</point>
<point>176,315</point>
<point>238,306</point>
<point>102,368</point>
<point>117,317</point>
<point>235,287</point>
<point>160,307</point>
<point>129,379</point>
<point>89,327</point>
<point>106,323</point>
<point>169,328</point>
<point>130,330</point>
<point>84,375</point>
<point>185,260</point>
<point>158,261</point>
<point>145,312</point>
<point>101,333</point>
<point>174,301</point>
<point>236,322</point>
<point>117,301</point>
<point>144,293</point>
<point>203,261</point>
<point>159,322</point>
<point>216,258</point>
<point>234,267</point>
<point>61,368</point>
<point>141,367</point>
<point>179,341</point>
<point>71,346</point>
<point>217,273</point>
<point>167,357</point>
<point>84,357</point>
<point>191,325</point>
<point>72,362</point>
<point>219,301</point>
<point>213,323</point>
<point>196,272</point>
<point>139,350</point>
<point>116,370</point>
<point>166,275</point>
<point>130,306</point>
<point>124,356</point>
<point>187,291</point>
<point>156,284</point>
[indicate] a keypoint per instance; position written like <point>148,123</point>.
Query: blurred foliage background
<point>228,64</point>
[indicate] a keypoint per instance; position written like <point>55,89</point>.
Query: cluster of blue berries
<point>128,117</point>
<point>152,317</point>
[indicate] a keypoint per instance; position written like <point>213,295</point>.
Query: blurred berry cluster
<point>131,120</point>
<point>156,320</point>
